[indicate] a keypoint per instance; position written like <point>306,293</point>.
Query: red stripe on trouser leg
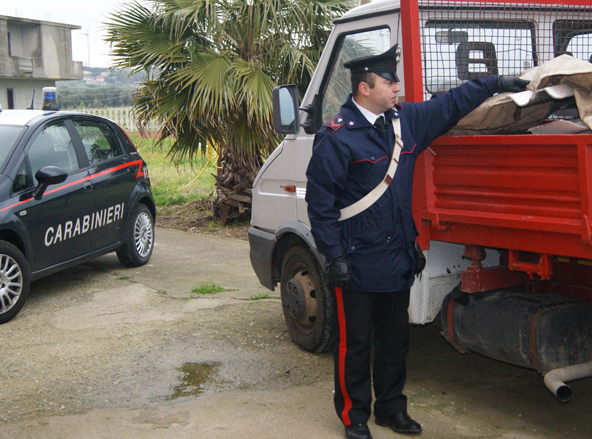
<point>342,352</point>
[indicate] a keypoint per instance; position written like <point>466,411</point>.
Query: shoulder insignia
<point>335,123</point>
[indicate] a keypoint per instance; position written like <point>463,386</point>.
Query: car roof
<point>26,117</point>
<point>19,117</point>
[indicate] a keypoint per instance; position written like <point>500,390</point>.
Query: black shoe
<point>358,431</point>
<point>400,422</point>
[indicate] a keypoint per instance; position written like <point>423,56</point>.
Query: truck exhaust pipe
<point>555,379</point>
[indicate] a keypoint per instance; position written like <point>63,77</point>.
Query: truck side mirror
<point>46,176</point>
<point>285,109</point>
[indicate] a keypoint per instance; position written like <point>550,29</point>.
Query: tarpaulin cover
<point>501,115</point>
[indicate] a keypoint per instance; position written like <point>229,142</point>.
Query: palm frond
<point>215,62</point>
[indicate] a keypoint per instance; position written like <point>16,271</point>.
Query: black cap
<point>384,64</point>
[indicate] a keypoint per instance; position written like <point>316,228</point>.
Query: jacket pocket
<point>368,233</point>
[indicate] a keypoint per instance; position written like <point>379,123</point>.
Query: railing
<point>24,64</point>
<point>123,116</point>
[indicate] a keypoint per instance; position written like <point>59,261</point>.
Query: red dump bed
<point>520,192</point>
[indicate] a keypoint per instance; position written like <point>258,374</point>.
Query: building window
<point>10,98</point>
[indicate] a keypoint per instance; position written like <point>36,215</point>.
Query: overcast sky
<point>90,15</point>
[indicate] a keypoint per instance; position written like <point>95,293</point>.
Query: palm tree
<point>212,65</point>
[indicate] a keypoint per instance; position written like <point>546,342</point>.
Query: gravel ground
<point>101,351</point>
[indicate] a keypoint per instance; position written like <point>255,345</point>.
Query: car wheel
<point>139,238</point>
<point>307,301</point>
<point>14,281</point>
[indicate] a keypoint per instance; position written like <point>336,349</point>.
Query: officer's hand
<point>511,84</point>
<point>338,272</point>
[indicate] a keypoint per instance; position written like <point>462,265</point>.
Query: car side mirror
<point>47,176</point>
<point>286,118</point>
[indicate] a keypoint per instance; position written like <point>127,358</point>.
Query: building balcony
<point>34,67</point>
<point>21,66</point>
<point>24,64</point>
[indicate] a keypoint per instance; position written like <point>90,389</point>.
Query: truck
<point>504,220</point>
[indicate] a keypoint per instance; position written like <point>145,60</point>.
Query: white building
<point>33,54</point>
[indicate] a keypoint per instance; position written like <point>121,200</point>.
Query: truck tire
<point>139,238</point>
<point>14,281</point>
<point>307,300</point>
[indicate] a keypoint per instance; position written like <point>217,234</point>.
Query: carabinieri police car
<point>72,187</point>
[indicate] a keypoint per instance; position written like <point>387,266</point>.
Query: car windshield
<point>9,134</point>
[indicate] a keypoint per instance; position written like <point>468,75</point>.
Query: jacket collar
<point>354,118</point>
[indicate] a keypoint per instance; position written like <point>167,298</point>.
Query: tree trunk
<point>234,187</point>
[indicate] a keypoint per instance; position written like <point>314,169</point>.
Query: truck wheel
<point>307,301</point>
<point>14,281</point>
<point>139,238</point>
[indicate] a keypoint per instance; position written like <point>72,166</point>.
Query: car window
<point>21,181</point>
<point>8,136</point>
<point>99,141</point>
<point>53,147</point>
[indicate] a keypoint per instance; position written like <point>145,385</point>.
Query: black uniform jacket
<point>349,160</point>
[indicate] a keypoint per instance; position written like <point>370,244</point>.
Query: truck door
<point>335,85</point>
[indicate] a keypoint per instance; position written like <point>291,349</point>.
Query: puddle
<point>194,379</point>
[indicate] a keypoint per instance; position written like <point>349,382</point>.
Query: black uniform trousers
<point>358,313</point>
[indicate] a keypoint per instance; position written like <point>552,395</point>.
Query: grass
<point>260,296</point>
<point>177,182</point>
<point>207,288</point>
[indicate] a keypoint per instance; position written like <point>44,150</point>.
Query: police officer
<point>371,256</point>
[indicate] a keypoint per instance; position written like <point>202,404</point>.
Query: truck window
<point>456,51</point>
<point>337,83</point>
<point>573,38</point>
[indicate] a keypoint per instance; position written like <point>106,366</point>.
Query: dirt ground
<point>196,217</point>
<point>103,351</point>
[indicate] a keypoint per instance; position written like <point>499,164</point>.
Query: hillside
<point>100,87</point>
